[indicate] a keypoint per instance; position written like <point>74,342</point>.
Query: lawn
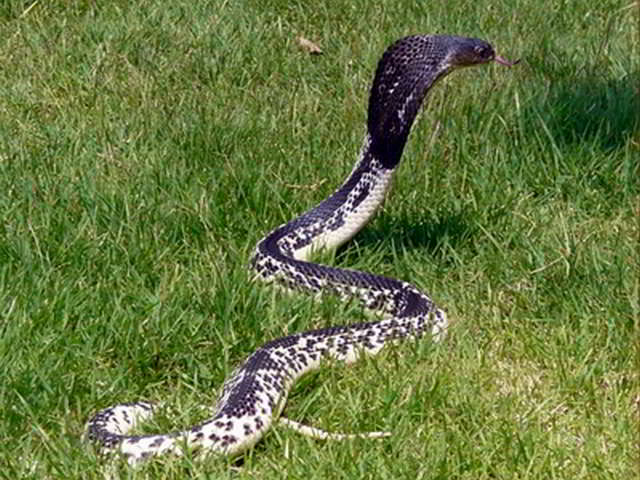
<point>146,147</point>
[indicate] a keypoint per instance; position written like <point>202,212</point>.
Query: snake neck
<point>338,218</point>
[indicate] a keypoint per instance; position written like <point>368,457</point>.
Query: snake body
<point>253,397</point>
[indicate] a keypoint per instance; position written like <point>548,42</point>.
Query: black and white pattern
<point>253,397</point>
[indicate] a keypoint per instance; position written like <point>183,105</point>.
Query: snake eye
<point>480,50</point>
<point>483,52</point>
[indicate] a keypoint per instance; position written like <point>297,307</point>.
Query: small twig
<point>544,267</point>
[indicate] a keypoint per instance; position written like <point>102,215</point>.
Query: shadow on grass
<point>601,111</point>
<point>431,232</point>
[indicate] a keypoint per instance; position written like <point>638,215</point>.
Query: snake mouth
<point>505,62</point>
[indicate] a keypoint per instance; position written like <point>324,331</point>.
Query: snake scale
<point>254,396</point>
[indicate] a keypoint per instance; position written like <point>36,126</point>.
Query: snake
<point>253,397</point>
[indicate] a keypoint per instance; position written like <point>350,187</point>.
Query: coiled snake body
<point>253,397</point>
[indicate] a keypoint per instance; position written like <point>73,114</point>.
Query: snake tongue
<point>505,62</point>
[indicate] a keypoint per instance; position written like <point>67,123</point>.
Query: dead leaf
<point>309,46</point>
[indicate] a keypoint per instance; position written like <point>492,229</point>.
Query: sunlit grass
<point>146,147</point>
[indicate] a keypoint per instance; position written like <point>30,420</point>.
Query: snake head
<point>473,51</point>
<point>405,73</point>
<point>465,52</point>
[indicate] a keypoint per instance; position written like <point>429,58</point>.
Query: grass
<point>145,147</point>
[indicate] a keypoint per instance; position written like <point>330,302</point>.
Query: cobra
<point>253,397</point>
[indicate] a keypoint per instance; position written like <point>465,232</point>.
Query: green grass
<point>145,147</point>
